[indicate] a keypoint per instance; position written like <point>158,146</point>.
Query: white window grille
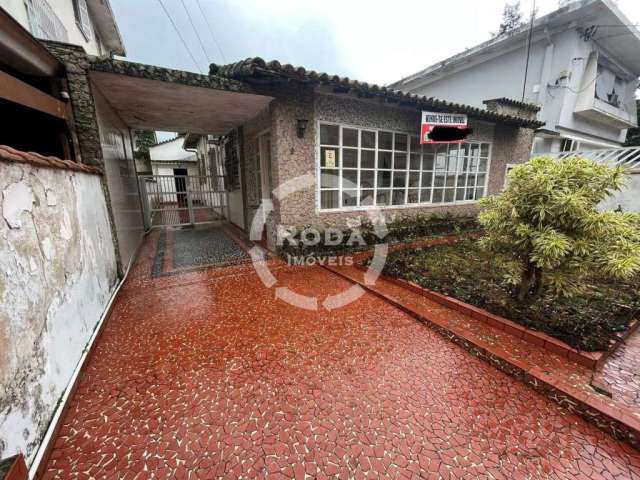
<point>82,17</point>
<point>43,22</point>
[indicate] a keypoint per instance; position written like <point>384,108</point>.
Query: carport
<point>145,97</point>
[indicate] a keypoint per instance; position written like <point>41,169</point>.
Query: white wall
<point>64,11</point>
<point>628,198</point>
<point>120,173</point>
<point>57,273</point>
<point>171,151</point>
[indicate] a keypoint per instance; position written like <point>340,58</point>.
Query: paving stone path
<point>206,375</point>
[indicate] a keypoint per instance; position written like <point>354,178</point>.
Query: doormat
<point>184,250</point>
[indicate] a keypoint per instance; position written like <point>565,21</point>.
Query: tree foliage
<point>547,221</point>
<point>144,140</point>
<point>511,19</point>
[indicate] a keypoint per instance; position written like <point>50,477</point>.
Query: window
<point>43,22</point>
<point>82,17</point>
<point>568,145</point>
<point>362,167</point>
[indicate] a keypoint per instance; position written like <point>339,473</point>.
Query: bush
<point>548,223</point>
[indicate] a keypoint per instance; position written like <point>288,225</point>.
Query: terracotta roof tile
<point>257,69</point>
<point>9,154</point>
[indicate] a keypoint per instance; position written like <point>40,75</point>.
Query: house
<point>351,148</point>
<point>582,72</point>
<point>89,24</point>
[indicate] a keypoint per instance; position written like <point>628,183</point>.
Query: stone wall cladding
<point>76,63</point>
<point>296,157</point>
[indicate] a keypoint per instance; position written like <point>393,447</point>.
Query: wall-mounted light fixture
<point>301,126</point>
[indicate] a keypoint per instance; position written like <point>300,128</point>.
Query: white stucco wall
<point>64,11</point>
<point>628,198</point>
<point>57,273</point>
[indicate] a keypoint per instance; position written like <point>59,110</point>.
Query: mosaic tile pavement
<point>621,372</point>
<point>206,375</point>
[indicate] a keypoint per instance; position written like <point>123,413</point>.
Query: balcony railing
<point>43,21</point>
<point>626,157</point>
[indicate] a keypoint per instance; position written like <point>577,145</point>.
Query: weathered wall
<point>295,157</point>
<point>57,272</point>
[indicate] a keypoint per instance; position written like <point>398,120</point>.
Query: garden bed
<point>589,322</point>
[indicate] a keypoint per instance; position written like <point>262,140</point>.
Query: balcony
<point>44,23</point>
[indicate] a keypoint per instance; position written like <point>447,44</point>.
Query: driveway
<point>204,374</point>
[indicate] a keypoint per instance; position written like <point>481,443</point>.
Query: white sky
<point>369,40</point>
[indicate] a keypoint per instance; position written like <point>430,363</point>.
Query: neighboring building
<point>170,158</point>
<point>89,24</point>
<point>582,72</point>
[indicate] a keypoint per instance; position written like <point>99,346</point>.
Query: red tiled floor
<point>206,375</point>
<point>621,372</point>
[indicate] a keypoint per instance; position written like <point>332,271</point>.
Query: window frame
<point>407,170</point>
<point>84,24</point>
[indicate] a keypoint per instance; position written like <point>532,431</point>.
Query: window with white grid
<point>361,167</point>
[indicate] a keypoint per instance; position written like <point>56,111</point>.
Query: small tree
<point>548,223</point>
<point>511,19</point>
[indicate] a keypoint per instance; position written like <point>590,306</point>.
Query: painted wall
<point>503,76</point>
<point>120,175</point>
<point>628,198</point>
<point>57,273</point>
<point>64,11</point>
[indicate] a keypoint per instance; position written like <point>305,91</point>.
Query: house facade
<point>89,24</point>
<point>350,148</point>
<point>582,73</point>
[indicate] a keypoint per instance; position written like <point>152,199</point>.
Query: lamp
<point>301,126</point>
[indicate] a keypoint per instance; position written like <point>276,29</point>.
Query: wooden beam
<point>17,91</point>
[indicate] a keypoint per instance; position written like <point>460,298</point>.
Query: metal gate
<point>182,199</point>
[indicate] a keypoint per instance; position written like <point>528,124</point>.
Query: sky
<point>368,40</point>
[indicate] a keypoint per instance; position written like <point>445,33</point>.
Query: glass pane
<point>398,197</point>
<point>484,150</point>
<point>462,180</point>
<point>367,159</point>
<point>329,179</point>
<point>349,198</point>
<point>367,139</point>
<point>401,142</point>
<point>438,195</point>
<point>400,161</point>
<point>441,161</point>
<point>415,161</point>
<point>413,196</point>
<point>430,148</point>
<point>366,197</point>
<point>329,157</point>
<point>449,194</point>
<point>469,193</point>
<point>475,150</point>
<point>384,179</point>
<point>482,166</point>
<point>452,163</point>
<point>480,180</point>
<point>349,137</point>
<point>414,179</point>
<point>479,193</point>
<point>473,167</point>
<point>425,195</point>
<point>329,134</point>
<point>451,180</point>
<point>383,197</point>
<point>329,199</point>
<point>439,180</point>
<point>464,150</point>
<point>427,162</point>
<point>460,194</point>
<point>414,143</point>
<point>384,160</point>
<point>350,158</point>
<point>399,179</point>
<point>427,179</point>
<point>463,164</point>
<point>367,177</point>
<point>471,180</point>
<point>385,140</point>
<point>454,148</point>
<point>350,179</point>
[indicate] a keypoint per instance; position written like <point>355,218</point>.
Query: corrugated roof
<point>256,70</point>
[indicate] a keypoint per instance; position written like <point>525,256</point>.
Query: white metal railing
<point>43,21</point>
<point>628,157</point>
